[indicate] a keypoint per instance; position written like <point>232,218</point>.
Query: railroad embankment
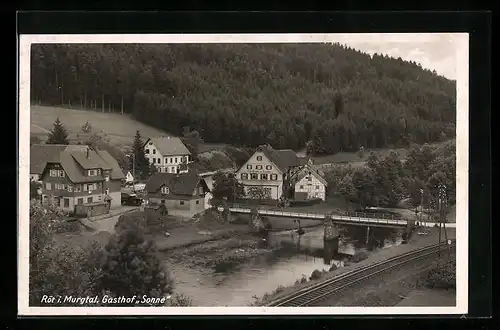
<point>416,241</point>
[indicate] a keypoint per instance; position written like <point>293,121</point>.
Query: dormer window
<point>154,151</point>
<point>165,190</point>
<point>92,172</point>
<point>259,158</point>
<point>150,143</point>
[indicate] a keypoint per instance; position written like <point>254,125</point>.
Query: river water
<point>297,257</point>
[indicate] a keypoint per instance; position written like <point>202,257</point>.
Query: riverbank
<point>377,255</point>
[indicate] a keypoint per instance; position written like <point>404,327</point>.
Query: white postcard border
<point>461,41</point>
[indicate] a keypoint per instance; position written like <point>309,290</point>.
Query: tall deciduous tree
<point>132,266</point>
<point>226,186</point>
<point>59,134</point>
<point>55,268</point>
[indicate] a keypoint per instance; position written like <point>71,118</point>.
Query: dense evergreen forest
<point>327,97</point>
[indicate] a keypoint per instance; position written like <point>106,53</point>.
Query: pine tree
<point>59,134</point>
<point>139,161</point>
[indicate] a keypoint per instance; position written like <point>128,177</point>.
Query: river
<point>297,257</point>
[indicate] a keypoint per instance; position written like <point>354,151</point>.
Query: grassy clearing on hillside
<point>120,129</point>
<point>353,157</point>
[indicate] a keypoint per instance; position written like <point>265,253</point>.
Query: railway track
<point>332,286</point>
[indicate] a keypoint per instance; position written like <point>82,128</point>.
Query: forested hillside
<point>328,97</point>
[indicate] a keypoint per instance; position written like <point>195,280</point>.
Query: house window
<point>269,167</point>
<point>106,178</point>
<point>59,186</point>
<point>263,176</point>
<point>259,158</point>
<point>181,202</point>
<point>165,190</point>
<point>274,177</point>
<point>106,192</point>
<point>70,188</point>
<point>159,160</point>
<point>253,176</point>
<point>150,143</point>
<point>48,186</point>
<point>301,187</point>
<point>259,167</point>
<point>66,202</point>
<point>166,160</point>
<point>317,187</point>
<point>154,151</point>
<point>244,176</point>
<point>78,188</point>
<point>175,160</point>
<point>80,201</point>
<point>89,199</point>
<point>147,151</point>
<point>92,172</point>
<point>154,160</point>
<point>60,173</point>
<point>197,202</point>
<point>168,169</point>
<point>171,160</point>
<point>249,167</point>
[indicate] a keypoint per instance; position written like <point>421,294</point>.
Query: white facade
<point>169,164</point>
<point>259,171</point>
<point>312,185</point>
<point>129,177</point>
<point>35,177</point>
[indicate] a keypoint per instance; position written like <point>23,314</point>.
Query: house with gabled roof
<point>182,191</point>
<point>167,153</point>
<point>309,183</point>
<point>76,175</point>
<point>269,170</point>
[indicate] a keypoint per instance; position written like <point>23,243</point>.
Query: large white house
<point>168,154</point>
<point>269,170</point>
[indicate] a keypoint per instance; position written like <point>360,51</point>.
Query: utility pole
<point>421,206</point>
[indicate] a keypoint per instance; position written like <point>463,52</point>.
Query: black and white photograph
<point>257,173</point>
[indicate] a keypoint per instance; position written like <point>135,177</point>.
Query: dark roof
<point>74,160</point>
<point>178,184</point>
<point>169,146</point>
<point>314,171</point>
<point>40,154</point>
<point>116,171</point>
<point>284,158</point>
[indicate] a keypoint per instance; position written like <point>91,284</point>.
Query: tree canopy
<point>332,96</point>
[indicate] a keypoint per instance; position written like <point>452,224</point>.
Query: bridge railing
<point>347,216</point>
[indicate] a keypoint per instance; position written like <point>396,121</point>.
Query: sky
<point>432,51</point>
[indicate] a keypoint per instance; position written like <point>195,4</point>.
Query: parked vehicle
<point>131,199</point>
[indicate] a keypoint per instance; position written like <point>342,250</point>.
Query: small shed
<point>91,209</point>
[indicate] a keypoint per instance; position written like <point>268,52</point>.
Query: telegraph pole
<point>421,206</point>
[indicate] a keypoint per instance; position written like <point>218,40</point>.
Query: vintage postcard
<point>243,174</point>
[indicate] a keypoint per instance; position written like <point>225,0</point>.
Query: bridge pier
<point>330,240</point>
<point>367,234</point>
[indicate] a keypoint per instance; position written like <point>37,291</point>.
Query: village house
<point>75,175</point>
<point>168,154</point>
<point>309,183</point>
<point>270,170</point>
<point>40,154</point>
<point>181,191</point>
